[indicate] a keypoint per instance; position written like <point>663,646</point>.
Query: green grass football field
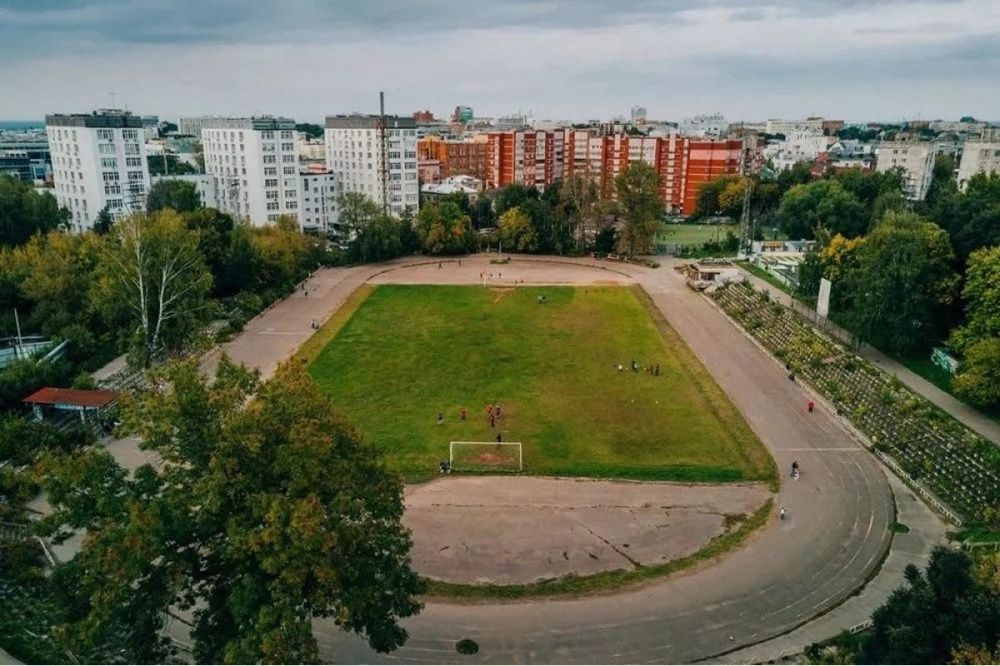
<point>410,352</point>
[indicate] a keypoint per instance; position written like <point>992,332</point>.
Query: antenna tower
<point>750,169</point>
<point>383,164</point>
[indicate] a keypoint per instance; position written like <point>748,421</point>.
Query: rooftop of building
<point>251,122</point>
<point>369,121</point>
<point>101,118</point>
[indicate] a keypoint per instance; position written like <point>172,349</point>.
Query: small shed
<point>69,400</point>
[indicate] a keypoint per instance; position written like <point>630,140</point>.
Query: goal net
<point>485,456</point>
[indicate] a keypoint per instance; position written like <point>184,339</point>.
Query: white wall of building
<point>705,125</point>
<point>318,210</point>
<point>354,154</point>
<point>917,161</point>
<point>254,162</point>
<point>797,147</point>
<point>978,157</point>
<point>94,167</point>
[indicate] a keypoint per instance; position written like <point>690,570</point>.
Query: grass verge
<point>606,581</point>
<point>311,348</point>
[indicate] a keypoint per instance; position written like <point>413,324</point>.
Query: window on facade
<point>270,159</point>
<point>109,163</point>
<point>105,135</point>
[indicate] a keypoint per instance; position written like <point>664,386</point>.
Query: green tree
<point>153,275</point>
<point>903,280</point>
<point>311,130</point>
<point>444,228</point>
<point>824,203</point>
<point>169,165</point>
<point>215,239</point>
<point>102,224</point>
<point>581,195</point>
<point>512,196</point>
<point>972,217</point>
<point>943,182</point>
<point>266,512</point>
<point>638,190</point>
<point>982,298</point>
<point>24,212</point>
<point>516,231</point>
<point>978,378</point>
<point>934,615</point>
<point>179,195</point>
<point>721,196</point>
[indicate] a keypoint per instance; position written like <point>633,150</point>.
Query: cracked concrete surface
<point>508,530</point>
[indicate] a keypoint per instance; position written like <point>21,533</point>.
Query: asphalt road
<point>834,537</point>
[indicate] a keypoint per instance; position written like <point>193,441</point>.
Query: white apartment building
<point>318,204</point>
<point>706,125</point>
<point>192,125</point>
<point>354,152</point>
<point>958,126</point>
<point>203,182</point>
<point>98,161</point>
<point>786,127</point>
<point>978,157</point>
<point>797,147</point>
<point>917,161</point>
<point>254,162</point>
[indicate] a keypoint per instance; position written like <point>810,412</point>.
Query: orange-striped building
<point>537,158</point>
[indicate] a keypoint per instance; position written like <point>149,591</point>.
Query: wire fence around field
<point>485,456</point>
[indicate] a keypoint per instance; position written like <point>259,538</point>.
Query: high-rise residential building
<point>534,158</point>
<point>192,125</point>
<point>712,125</point>
<point>98,161</point>
<point>356,154</point>
<point>466,157</point>
<point>915,158</point>
<point>254,162</point>
<point>684,164</point>
<point>425,116</point>
<point>978,157</point>
<point>637,114</point>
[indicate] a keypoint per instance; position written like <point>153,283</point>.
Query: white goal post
<point>485,456</point>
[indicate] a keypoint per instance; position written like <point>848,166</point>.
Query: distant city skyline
<point>563,59</point>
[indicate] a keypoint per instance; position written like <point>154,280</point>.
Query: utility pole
<point>17,321</point>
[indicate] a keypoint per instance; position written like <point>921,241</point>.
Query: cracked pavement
<point>504,530</point>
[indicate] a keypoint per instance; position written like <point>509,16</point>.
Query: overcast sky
<point>560,59</point>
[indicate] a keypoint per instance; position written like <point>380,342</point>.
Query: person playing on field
<point>440,418</point>
<point>461,414</point>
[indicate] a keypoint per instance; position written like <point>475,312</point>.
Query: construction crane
<point>750,168</point>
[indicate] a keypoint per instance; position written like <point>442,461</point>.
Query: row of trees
<point>148,285</point>
<point>919,275</point>
<point>568,217</point>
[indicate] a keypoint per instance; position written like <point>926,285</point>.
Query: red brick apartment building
<point>536,158</point>
<point>455,158</point>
